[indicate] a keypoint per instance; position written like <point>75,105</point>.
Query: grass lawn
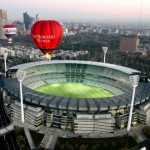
<point>74,90</point>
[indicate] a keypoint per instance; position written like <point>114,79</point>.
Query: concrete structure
<point>3,21</point>
<point>2,50</point>
<point>129,43</point>
<point>33,115</point>
<point>6,50</point>
<point>144,113</point>
<point>122,119</point>
<point>96,123</point>
<point>64,112</point>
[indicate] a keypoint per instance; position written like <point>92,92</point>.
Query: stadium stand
<point>100,114</point>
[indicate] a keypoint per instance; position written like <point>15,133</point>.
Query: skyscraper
<point>129,43</point>
<point>27,20</point>
<point>3,21</point>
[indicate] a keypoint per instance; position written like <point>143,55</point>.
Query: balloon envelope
<point>47,34</point>
<point>9,31</point>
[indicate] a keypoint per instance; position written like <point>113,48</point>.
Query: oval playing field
<point>77,86</point>
<point>84,96</point>
<point>74,90</point>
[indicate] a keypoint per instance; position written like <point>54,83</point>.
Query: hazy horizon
<point>129,11</point>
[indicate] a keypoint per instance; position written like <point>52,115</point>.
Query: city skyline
<point>83,10</point>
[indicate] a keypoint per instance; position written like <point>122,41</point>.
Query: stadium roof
<point>77,104</point>
<point>112,66</point>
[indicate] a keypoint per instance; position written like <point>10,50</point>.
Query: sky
<point>80,10</point>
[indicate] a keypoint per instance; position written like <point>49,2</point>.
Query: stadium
<point>85,111</point>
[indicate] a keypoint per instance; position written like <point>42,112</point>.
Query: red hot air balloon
<point>9,31</point>
<point>47,34</point>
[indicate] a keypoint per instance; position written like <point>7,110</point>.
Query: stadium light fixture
<point>5,58</point>
<point>105,51</point>
<point>20,76</point>
<point>135,81</point>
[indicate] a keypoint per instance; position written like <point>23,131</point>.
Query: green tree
<point>94,147</point>
<point>124,148</point>
<point>62,147</point>
<point>20,138</point>
<point>21,142</point>
<point>82,147</point>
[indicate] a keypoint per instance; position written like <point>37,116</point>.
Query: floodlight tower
<point>105,51</point>
<point>20,76</point>
<point>135,81</point>
<point>5,58</point>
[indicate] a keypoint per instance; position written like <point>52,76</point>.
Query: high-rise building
<point>3,14</point>
<point>20,27</point>
<point>37,17</point>
<point>129,43</point>
<point>27,20</point>
<point>3,21</point>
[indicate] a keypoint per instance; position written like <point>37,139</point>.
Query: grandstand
<point>67,112</point>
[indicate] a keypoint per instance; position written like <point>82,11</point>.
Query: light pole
<point>5,58</point>
<point>134,80</point>
<point>20,76</point>
<point>105,51</point>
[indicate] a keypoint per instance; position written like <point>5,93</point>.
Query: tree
<point>21,142</point>
<point>20,138</point>
<point>124,148</point>
<point>94,147</point>
<point>82,147</point>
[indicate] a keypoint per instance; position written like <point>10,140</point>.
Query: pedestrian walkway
<point>137,133</point>
<point>141,137</point>
<point>51,134</point>
<point>17,122</point>
<point>29,138</point>
<point>6,129</point>
<point>50,138</point>
<point>46,140</point>
<point>52,141</point>
<point>26,126</point>
<point>120,132</point>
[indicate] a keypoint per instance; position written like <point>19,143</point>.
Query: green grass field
<point>74,90</point>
